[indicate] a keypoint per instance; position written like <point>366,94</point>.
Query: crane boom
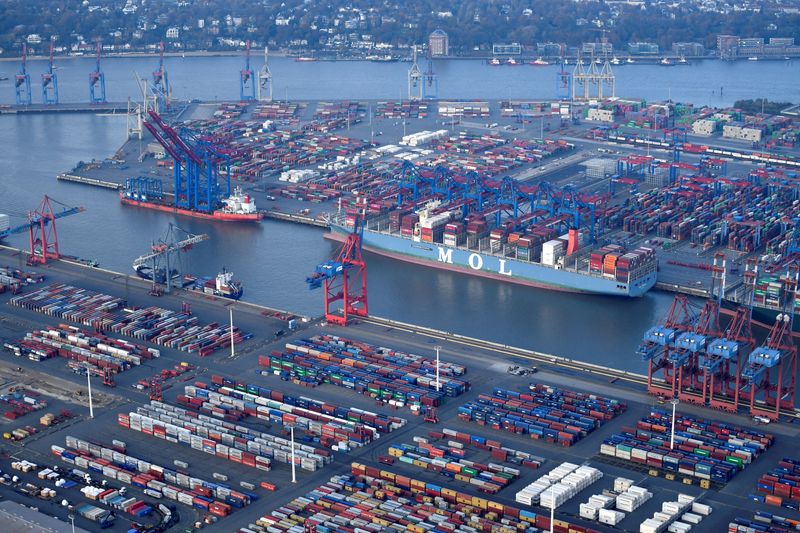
<point>36,218</point>
<point>175,247</point>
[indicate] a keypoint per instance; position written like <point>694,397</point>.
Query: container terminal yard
<point>267,421</point>
<point>501,420</point>
<point>639,174</point>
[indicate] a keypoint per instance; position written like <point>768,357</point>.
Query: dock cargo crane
<point>196,166</point>
<point>161,88</point>
<point>97,82</point>
<point>158,259</point>
<point>50,83</point>
<point>247,86</point>
<point>659,340</point>
<point>414,78</point>
<point>345,277</point>
<point>265,82</point>
<point>771,370</point>
<point>41,228</point>
<point>722,364</point>
<point>22,80</point>
<point>430,89</point>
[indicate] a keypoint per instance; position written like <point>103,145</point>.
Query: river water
<point>272,259</point>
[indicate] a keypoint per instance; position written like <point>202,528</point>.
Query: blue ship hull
<point>491,266</point>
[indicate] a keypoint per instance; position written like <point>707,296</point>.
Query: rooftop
<point>17,518</point>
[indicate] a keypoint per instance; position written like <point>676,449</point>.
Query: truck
<point>103,518</point>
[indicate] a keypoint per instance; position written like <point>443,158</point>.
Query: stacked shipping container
<point>707,450</point>
<point>547,413</point>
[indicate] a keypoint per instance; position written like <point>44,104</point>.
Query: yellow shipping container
<point>420,464</point>
<point>415,528</point>
<point>389,476</point>
<point>480,503</point>
<point>448,493</point>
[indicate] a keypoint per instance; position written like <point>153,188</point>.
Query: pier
<point>89,181</point>
<point>110,107</point>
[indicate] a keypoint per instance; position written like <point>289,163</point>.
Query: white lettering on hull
<point>475,262</point>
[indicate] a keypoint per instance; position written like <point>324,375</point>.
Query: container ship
<point>223,285</point>
<point>238,207</point>
<point>535,256</point>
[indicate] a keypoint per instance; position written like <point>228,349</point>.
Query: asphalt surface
<point>486,369</point>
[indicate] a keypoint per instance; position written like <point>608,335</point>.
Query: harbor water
<point>272,259</point>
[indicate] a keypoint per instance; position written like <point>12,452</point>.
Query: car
<point>761,420</point>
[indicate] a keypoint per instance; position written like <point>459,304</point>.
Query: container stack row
<point>558,486</point>
<point>676,516</point>
<point>171,484</point>
<point>83,346</point>
<point>781,485</point>
<point>392,377</point>
<point>379,501</point>
<point>261,396</point>
<point>547,413</point>
<point>328,431</point>
<point>451,462</point>
<point>610,507</point>
<point>223,439</point>
<point>113,499</point>
<point>496,448</point>
<point>164,327</point>
<point>707,450</point>
<point>763,522</point>
<point>401,109</point>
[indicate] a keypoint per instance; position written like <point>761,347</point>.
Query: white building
<point>173,32</point>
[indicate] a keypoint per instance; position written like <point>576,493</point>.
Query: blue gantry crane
<point>22,80</point>
<point>199,184</point>
<point>247,85</point>
<point>41,228</point>
<point>50,83</point>
<point>97,82</point>
<point>430,87</point>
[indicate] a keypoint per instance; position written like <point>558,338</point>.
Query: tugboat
<point>615,61</point>
<point>223,285</point>
<point>665,62</point>
<point>539,62</point>
<point>494,62</point>
<point>511,61</point>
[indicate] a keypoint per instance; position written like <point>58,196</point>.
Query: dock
<point>487,363</point>
<point>109,107</point>
<point>89,181</point>
<point>297,219</point>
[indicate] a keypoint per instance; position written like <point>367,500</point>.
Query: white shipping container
<point>609,517</point>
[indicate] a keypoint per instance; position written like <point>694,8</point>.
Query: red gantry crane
<point>41,228</point>
<point>345,277</point>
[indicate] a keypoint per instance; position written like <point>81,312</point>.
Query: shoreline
<point>401,57</point>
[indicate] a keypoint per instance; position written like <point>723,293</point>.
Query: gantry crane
<point>345,277</point>
<point>97,82</point>
<point>414,77</point>
<point>197,166</point>
<point>41,228</point>
<point>658,341</point>
<point>264,86</point>
<point>22,80</point>
<point>771,370</point>
<point>50,83</point>
<point>430,89</point>
<point>247,86</point>
<point>158,260</point>
<point>161,88</point>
